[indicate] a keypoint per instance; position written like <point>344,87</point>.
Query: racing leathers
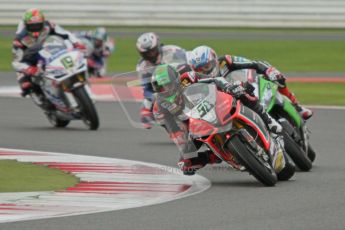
<point>169,113</point>
<point>229,63</point>
<point>145,68</point>
<point>96,53</point>
<point>26,65</point>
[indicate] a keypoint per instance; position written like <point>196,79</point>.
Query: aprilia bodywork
<point>216,119</point>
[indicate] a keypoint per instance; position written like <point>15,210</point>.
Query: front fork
<point>277,152</point>
<point>305,136</point>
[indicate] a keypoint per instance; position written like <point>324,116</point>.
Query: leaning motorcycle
<point>63,92</point>
<point>295,131</point>
<point>235,133</point>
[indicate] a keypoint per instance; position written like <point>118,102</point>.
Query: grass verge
<point>27,177</point>
<point>319,93</point>
<point>287,56</point>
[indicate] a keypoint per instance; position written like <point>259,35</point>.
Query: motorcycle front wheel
<point>253,164</point>
<point>56,122</point>
<point>87,108</point>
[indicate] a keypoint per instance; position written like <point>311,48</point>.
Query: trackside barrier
<point>220,13</point>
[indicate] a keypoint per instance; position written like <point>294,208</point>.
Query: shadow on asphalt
<point>157,143</point>
<point>237,183</point>
<point>56,129</point>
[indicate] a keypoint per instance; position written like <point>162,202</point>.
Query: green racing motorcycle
<point>295,131</point>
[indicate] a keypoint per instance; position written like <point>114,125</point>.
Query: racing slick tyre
<point>256,166</point>
<point>56,122</point>
<point>87,108</point>
<point>311,153</point>
<point>296,153</point>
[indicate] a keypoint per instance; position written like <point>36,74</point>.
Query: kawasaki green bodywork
<point>269,97</point>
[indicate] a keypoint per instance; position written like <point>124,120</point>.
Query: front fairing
<point>66,64</point>
<point>268,94</point>
<point>270,98</point>
<point>208,109</point>
<point>61,65</point>
<point>265,90</point>
<point>200,100</point>
<point>61,60</point>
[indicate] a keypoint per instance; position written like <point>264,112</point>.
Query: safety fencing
<point>208,13</point>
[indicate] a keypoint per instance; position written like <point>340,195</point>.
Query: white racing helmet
<point>204,60</point>
<point>149,47</point>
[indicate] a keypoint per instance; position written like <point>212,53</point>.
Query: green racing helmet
<point>165,81</point>
<point>34,21</point>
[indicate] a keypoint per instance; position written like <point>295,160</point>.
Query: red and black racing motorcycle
<point>235,133</point>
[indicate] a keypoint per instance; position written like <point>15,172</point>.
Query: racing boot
<point>146,114</point>
<point>270,122</point>
<point>191,165</point>
<point>305,113</point>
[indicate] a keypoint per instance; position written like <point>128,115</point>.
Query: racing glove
<point>273,74</point>
<point>32,71</point>
<point>79,46</point>
<point>235,89</point>
<point>188,78</point>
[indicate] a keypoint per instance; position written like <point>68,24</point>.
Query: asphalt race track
<point>236,201</point>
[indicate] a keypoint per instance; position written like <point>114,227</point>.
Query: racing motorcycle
<point>295,131</point>
<point>235,133</point>
<point>96,67</point>
<point>63,91</point>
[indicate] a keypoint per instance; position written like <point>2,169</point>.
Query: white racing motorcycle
<point>63,92</point>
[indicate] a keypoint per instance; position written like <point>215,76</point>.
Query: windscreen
<point>53,45</point>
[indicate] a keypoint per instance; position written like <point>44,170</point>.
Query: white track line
<point>106,184</point>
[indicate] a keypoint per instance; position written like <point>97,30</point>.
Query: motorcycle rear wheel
<point>293,148</point>
<point>311,153</point>
<point>88,110</point>
<point>253,164</point>
<point>296,153</point>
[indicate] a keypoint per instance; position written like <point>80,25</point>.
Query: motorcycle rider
<point>203,59</point>
<point>153,53</point>
<point>100,46</point>
<point>32,31</point>
<point>168,111</point>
